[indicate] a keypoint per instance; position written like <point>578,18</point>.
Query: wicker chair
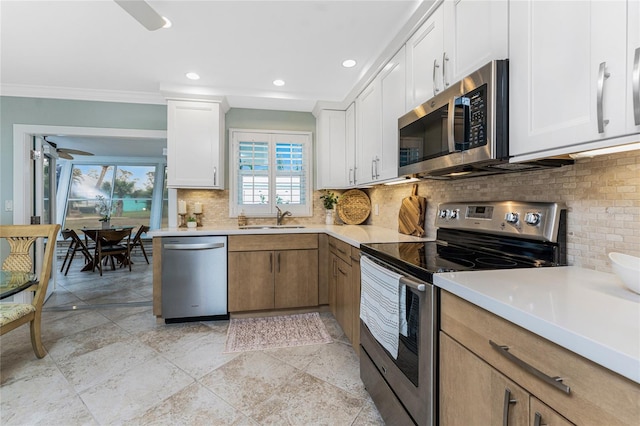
<point>20,239</point>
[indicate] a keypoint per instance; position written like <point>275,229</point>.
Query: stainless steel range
<point>398,362</point>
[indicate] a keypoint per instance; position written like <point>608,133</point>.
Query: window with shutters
<point>269,169</point>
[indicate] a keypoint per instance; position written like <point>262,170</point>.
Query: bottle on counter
<point>242,219</point>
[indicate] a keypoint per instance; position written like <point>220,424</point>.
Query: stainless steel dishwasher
<point>194,278</point>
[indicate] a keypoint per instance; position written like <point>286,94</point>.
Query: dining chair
<point>76,245</point>
<point>112,243</point>
<point>20,239</point>
<point>137,241</point>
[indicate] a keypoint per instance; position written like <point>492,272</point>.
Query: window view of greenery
<point>121,194</point>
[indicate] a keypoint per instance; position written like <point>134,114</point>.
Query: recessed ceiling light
<point>349,63</point>
<point>192,76</point>
<point>278,82</point>
<point>167,23</point>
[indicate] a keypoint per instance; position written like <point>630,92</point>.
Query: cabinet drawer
<point>597,395</point>
<point>273,242</point>
<point>341,249</point>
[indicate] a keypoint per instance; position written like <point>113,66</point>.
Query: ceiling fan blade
<point>73,151</point>
<point>64,155</point>
<point>142,13</point>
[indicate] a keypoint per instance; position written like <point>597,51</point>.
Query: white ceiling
<point>88,49</point>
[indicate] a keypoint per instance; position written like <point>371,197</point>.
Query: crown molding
<point>70,93</point>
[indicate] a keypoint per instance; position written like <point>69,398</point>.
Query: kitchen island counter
<point>588,312</point>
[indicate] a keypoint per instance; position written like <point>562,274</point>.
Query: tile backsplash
<point>602,195</point>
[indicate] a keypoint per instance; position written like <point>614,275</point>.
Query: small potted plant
<point>329,200</point>
<point>105,211</point>
<point>191,222</point>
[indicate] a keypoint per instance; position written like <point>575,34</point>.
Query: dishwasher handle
<point>200,246</point>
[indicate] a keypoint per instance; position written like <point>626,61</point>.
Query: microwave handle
<point>451,141</point>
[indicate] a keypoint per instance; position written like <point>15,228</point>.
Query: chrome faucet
<point>281,216</point>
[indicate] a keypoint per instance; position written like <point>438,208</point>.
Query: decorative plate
<point>354,207</point>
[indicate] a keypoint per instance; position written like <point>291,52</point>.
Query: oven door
<point>411,378</point>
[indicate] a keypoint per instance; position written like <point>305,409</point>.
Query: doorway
<point>31,177</point>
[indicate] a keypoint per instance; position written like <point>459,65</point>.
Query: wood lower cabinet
<point>478,352</point>
<point>250,281</point>
<point>473,393</point>
<point>296,278</point>
<point>261,278</point>
<point>344,288</point>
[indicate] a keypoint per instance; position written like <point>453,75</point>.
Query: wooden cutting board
<point>412,212</point>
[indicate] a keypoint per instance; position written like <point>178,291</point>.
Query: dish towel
<point>379,304</point>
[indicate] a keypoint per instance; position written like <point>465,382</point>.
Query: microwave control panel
<point>470,129</point>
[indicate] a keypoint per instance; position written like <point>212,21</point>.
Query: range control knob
<point>454,214</point>
<point>444,214</point>
<point>532,218</point>
<point>511,217</point>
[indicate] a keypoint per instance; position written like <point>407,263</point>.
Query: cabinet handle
<point>350,180</point>
<point>341,251</point>
<point>505,406</point>
<point>537,421</point>
<point>553,381</point>
<point>445,59</point>
<point>602,76</point>
<point>270,262</point>
<point>335,268</point>
<point>635,77</point>
<point>342,272</point>
<point>278,262</point>
<point>355,175</point>
<point>215,176</point>
<point>373,175</point>
<point>435,88</point>
<point>377,160</point>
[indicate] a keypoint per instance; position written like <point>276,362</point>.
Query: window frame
<point>269,209</point>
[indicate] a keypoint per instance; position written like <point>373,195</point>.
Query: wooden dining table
<point>94,234</point>
<point>12,282</point>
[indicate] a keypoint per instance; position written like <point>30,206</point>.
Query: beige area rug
<point>253,334</point>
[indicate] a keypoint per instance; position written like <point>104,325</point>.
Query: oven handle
<point>416,285</point>
<point>408,281</point>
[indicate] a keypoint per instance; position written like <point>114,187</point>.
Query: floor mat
<point>252,334</point>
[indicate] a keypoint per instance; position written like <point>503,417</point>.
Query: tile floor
<point>116,365</point>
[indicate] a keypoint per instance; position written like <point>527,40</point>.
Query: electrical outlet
<point>376,209</point>
<point>8,205</point>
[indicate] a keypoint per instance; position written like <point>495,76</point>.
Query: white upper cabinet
<point>393,89</point>
<point>369,134</point>
<point>195,144</point>
<point>331,152</point>
<point>457,39</point>
<point>570,87</point>
<point>477,33</point>
<point>350,143</point>
<point>424,60</point>
<point>378,108</point>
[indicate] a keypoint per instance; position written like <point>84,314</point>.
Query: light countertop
<point>351,234</point>
<point>588,312</point>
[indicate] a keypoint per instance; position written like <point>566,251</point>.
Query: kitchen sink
<point>271,227</point>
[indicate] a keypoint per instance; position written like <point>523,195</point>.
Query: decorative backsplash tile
<point>602,195</point>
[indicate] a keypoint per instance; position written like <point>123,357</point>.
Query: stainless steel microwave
<point>462,130</point>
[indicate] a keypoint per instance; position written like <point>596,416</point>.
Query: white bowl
<point>627,268</point>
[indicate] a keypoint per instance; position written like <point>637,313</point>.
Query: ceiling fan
<point>143,13</point>
<point>66,152</point>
